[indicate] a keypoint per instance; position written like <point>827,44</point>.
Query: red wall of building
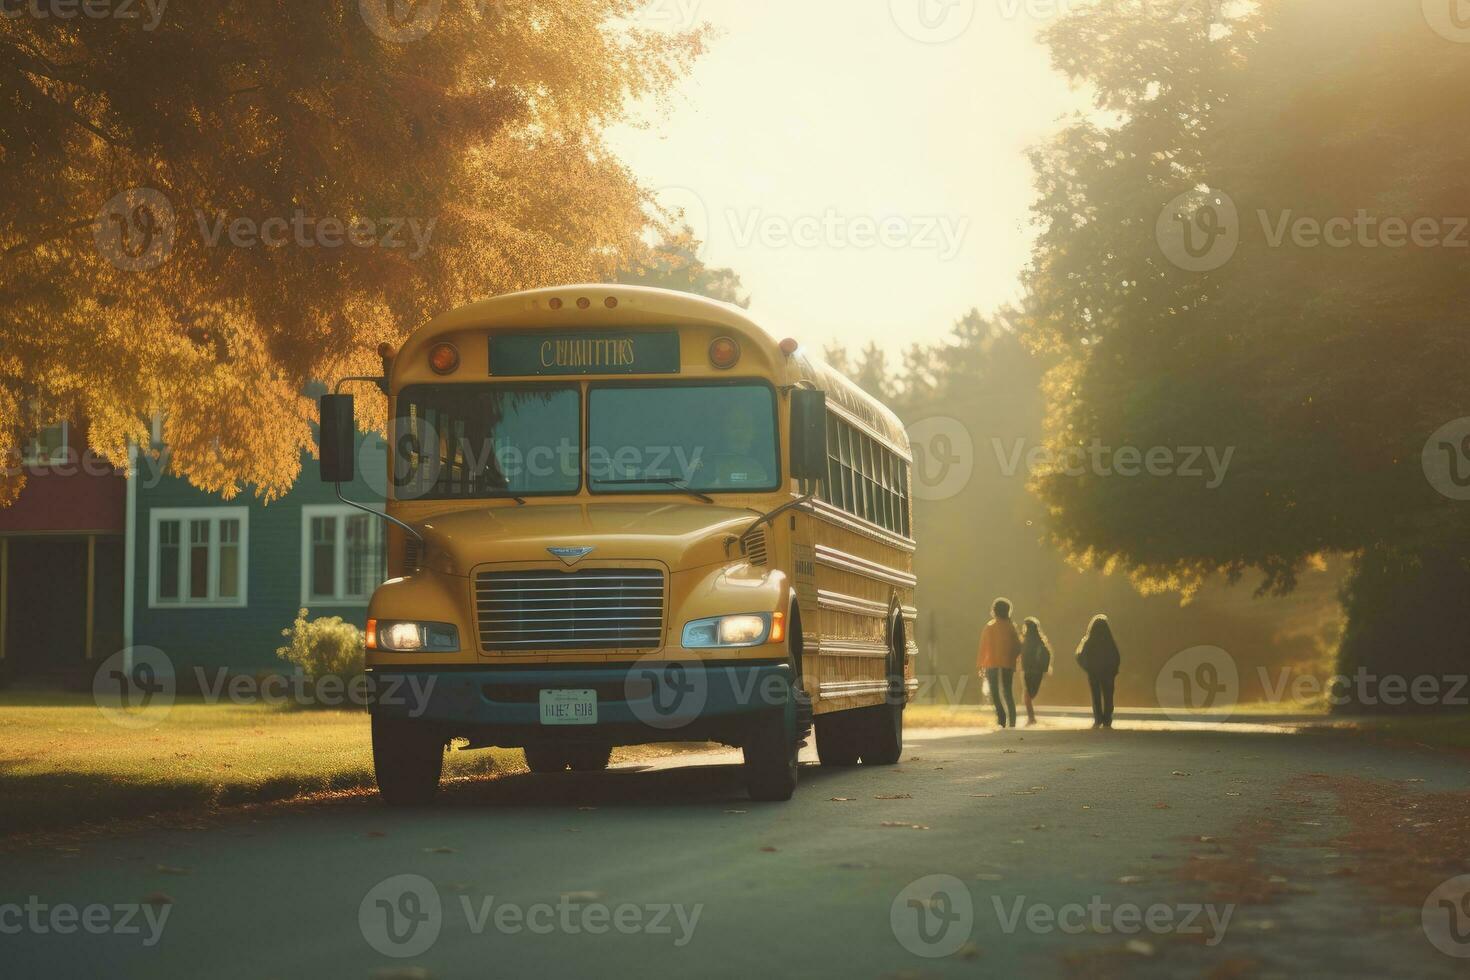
<point>85,494</point>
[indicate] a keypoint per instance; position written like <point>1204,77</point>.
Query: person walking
<point>1035,663</point>
<point>1098,655</point>
<point>1000,648</point>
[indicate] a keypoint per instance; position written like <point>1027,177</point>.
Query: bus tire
<point>837,743</point>
<point>544,758</point>
<point>882,734</point>
<point>882,725</point>
<point>408,760</point>
<point>589,758</point>
<point>770,760</point>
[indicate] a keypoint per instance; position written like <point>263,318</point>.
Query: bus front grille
<point>593,609</point>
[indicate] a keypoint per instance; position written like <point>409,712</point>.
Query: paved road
<point>668,869</point>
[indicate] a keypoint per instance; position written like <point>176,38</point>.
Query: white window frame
<point>184,515</point>
<point>29,459</point>
<point>341,512</point>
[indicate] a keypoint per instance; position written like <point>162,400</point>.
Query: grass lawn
<point>63,763</point>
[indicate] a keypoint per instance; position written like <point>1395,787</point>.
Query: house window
<point>47,447</point>
<point>342,557</point>
<point>198,556</point>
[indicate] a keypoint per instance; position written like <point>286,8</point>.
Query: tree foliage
<point>674,263</point>
<point>1325,368</point>
<point>409,167</point>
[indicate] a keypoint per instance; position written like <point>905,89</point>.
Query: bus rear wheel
<point>837,743</point>
<point>881,726</point>
<point>408,760</point>
<point>770,760</point>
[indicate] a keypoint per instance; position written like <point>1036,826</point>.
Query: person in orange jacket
<point>1000,648</point>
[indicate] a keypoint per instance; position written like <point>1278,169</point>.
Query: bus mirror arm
<point>381,516</point>
<point>770,516</point>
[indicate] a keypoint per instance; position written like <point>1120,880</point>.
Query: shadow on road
<point>682,784</point>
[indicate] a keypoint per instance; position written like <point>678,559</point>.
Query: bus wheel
<point>408,760</point>
<point>882,734</point>
<point>882,725</point>
<point>589,758</point>
<point>546,758</point>
<point>770,760</point>
<point>837,744</point>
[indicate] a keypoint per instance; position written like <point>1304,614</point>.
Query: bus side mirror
<point>808,435</point>
<point>337,433</point>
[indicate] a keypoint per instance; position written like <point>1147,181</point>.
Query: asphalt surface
<point>1049,837</point>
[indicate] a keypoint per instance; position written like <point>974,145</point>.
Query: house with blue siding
<point>213,582</point>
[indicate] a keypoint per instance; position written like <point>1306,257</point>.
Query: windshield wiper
<point>669,481</point>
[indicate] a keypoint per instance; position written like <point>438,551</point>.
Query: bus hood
<point>681,535</point>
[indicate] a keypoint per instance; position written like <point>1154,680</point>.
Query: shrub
<point>323,647</point>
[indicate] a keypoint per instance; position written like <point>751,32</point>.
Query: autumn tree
<point>1179,279</point>
<point>210,208</point>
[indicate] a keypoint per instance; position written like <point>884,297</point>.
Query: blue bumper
<point>642,702</point>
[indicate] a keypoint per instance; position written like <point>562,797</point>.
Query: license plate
<point>568,707</point>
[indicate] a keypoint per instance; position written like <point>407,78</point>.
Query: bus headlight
<point>410,637</point>
<point>746,630</point>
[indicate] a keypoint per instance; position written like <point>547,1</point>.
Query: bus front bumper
<point>635,703</point>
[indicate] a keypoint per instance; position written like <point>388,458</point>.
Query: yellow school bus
<point>621,515</point>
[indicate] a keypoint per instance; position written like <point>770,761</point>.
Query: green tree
<point>675,264</point>
<point>1324,368</point>
<point>383,169</point>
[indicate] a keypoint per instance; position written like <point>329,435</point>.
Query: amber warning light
<point>444,358</point>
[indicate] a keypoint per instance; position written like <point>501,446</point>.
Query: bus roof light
<point>724,353</point>
<point>555,303</point>
<point>789,346</point>
<point>444,358</point>
<point>611,302</point>
<point>583,303</point>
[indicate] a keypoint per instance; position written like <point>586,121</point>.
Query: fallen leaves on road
<point>768,849</point>
<point>841,799</point>
<point>737,811</point>
<point>1178,772</point>
<point>1162,806</point>
<point>157,898</point>
<point>1142,947</point>
<point>581,896</point>
<point>1132,880</point>
<point>894,796</point>
<point>905,826</point>
<point>439,850</point>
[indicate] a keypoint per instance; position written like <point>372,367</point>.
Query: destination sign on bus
<point>540,354</point>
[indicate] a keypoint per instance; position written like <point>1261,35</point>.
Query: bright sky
<point>860,163</point>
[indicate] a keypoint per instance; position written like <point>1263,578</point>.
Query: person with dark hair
<point>1000,648</point>
<point>1035,663</point>
<point>1098,655</point>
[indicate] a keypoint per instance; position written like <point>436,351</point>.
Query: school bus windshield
<point>655,439</point>
<point>480,441</point>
